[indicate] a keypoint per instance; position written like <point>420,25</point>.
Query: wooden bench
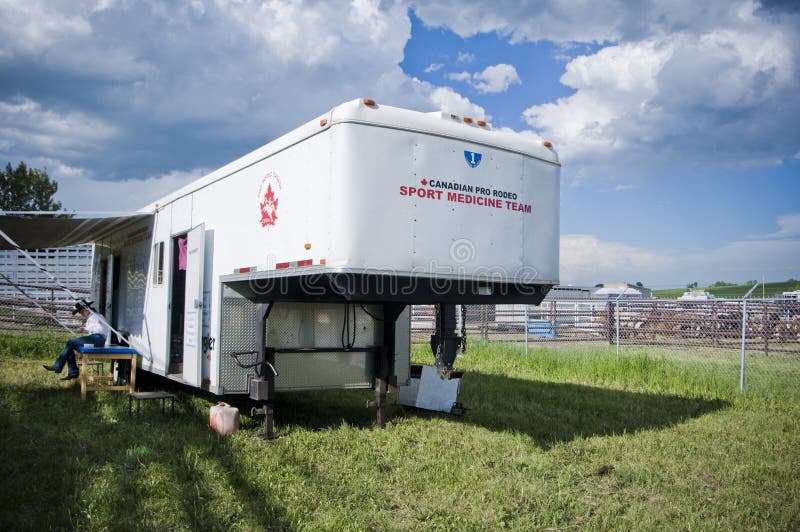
<point>88,354</point>
<point>149,396</point>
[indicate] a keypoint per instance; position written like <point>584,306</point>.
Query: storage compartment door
<point>193,309</point>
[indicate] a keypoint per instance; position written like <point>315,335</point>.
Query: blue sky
<point>676,122</point>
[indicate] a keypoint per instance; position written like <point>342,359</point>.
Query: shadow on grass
<point>558,412</point>
<point>547,412</point>
<point>73,464</point>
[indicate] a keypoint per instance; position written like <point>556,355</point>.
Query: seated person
<point>98,331</point>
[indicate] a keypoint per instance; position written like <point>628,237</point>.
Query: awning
<point>37,232</point>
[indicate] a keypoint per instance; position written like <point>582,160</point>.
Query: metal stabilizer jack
<point>446,341</point>
<point>262,387</point>
<point>269,419</point>
<point>436,387</point>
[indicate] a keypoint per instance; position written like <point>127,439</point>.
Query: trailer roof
<point>361,112</point>
<point>440,124</point>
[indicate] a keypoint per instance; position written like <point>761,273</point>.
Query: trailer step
<point>149,396</point>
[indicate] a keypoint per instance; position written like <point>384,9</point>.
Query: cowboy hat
<point>82,304</point>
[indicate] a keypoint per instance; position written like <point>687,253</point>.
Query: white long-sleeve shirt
<point>94,325</point>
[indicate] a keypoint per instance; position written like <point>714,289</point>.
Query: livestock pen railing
<point>38,308</point>
<point>731,339</point>
<point>772,326</point>
<point>720,334</point>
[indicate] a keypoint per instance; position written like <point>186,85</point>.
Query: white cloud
<point>600,21</point>
<point>531,136</point>
<point>434,67</point>
<point>671,81</point>
<point>465,57</point>
<point>238,67</point>
<point>674,98</point>
<point>493,79</point>
<point>36,26</point>
<point>521,21</point>
<point>290,31</point>
<point>27,128</point>
<point>496,78</point>
<point>623,188</point>
<point>789,227</point>
<point>459,76</point>
<point>447,100</point>
<point>665,82</point>
<point>586,259</point>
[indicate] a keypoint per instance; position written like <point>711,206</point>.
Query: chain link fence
<point>755,342</point>
<point>750,342</point>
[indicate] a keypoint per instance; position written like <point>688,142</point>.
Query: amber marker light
<point>323,123</point>
<point>481,123</point>
<point>308,246</point>
<point>547,144</point>
<point>467,120</point>
<point>368,101</point>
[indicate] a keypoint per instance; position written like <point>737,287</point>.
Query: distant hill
<point>733,291</point>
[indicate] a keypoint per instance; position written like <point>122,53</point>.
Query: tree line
<point>27,189</point>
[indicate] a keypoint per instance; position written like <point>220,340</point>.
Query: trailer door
<point>193,309</point>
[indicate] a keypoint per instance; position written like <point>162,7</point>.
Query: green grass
<point>37,345</point>
<point>735,291</point>
<point>565,438</point>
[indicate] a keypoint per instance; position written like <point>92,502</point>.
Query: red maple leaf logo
<point>269,208</point>
<point>424,182</point>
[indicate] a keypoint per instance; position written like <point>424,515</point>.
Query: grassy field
<point>735,291</point>
<point>563,439</point>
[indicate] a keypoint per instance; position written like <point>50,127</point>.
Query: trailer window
<point>158,263</point>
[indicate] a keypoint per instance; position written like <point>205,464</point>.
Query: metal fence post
<point>744,337</point>
<point>766,327</point>
<point>616,304</point>
<point>526,331</point>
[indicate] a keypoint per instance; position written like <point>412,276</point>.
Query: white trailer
<point>292,268</point>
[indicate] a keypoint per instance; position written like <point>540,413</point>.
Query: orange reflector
<point>308,246</point>
<point>468,120</point>
<point>322,261</point>
<point>547,144</point>
<point>323,123</point>
<point>368,101</point>
<point>481,123</point>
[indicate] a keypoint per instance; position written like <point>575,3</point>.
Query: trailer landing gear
<point>269,420</point>
<point>386,361</point>
<point>445,341</point>
<point>436,387</point>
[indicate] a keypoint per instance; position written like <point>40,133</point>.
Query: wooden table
<point>105,353</point>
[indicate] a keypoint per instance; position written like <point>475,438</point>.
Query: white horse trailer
<point>292,268</point>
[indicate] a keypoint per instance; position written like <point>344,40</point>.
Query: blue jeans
<point>68,355</point>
